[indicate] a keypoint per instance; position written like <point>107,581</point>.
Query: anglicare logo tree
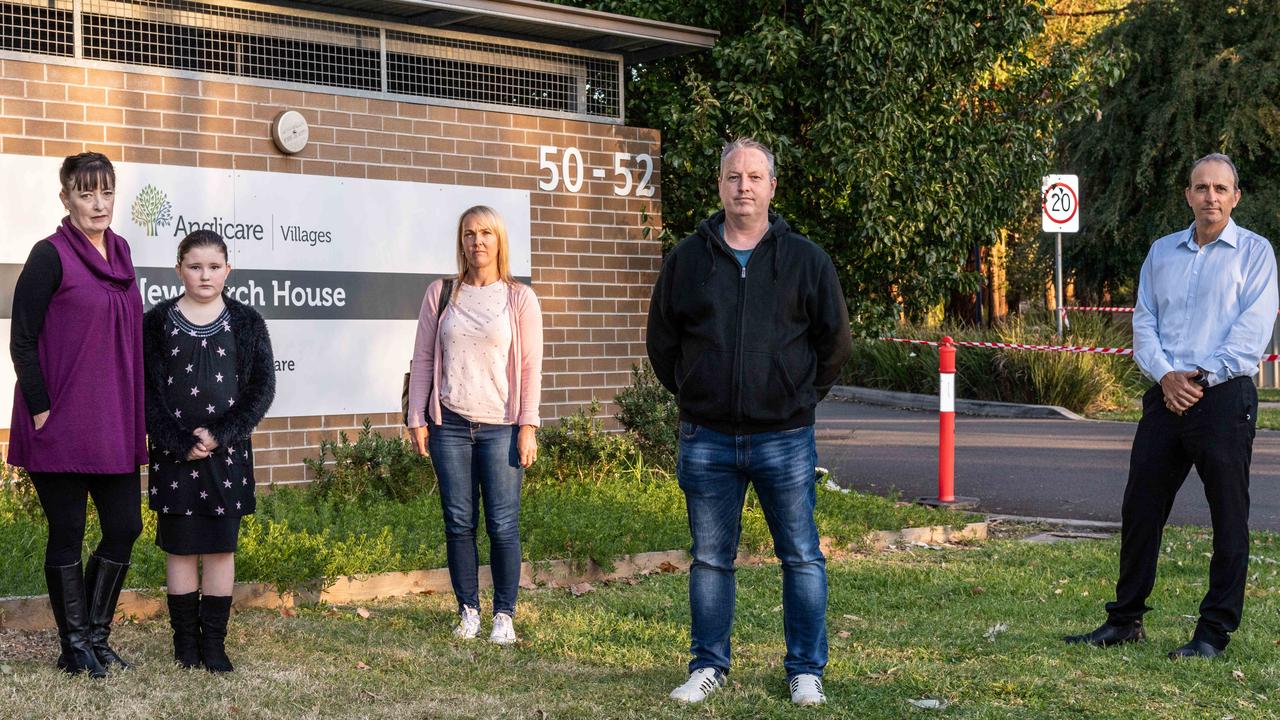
<point>151,210</point>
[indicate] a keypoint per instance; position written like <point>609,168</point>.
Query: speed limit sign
<point>1060,203</point>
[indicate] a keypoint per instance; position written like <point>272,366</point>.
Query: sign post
<point>1059,213</point>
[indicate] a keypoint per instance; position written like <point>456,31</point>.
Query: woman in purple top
<point>78,426</point>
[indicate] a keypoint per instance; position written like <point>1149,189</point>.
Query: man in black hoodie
<point>748,328</point>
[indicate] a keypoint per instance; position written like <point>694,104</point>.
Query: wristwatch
<point>1202,378</point>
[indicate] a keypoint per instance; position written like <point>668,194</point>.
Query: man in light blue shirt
<point>1207,302</point>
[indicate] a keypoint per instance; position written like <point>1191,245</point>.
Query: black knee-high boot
<point>184,618</point>
<point>103,579</point>
<point>71,613</point>
<point>214,611</point>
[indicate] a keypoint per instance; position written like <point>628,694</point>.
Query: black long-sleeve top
<point>40,278</point>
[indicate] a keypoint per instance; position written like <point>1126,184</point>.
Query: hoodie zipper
<point>737,345</point>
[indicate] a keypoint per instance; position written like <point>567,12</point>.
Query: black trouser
<point>63,496</point>
<point>1216,436</point>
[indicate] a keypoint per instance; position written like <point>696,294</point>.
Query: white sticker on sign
<point>1060,203</point>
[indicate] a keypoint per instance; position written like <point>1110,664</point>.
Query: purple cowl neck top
<point>91,355</point>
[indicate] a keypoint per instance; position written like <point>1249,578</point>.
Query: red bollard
<point>947,431</point>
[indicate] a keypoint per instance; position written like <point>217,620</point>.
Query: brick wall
<point>593,266</point>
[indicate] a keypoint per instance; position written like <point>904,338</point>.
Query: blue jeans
<point>474,460</point>
<point>714,470</point>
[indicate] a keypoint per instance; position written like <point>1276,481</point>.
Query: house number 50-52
<point>570,169</point>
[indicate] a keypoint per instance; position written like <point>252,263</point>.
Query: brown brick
<point>347,103</point>
<point>380,172</point>
<point>124,135</point>
<point>411,174</point>
<point>104,78</point>
<point>397,157</point>
<point>10,126</point>
<point>46,91</point>
<point>45,129</point>
<point>252,94</point>
<point>24,70</point>
<point>333,119</point>
<point>232,144</point>
<point>366,122</point>
<point>317,167</point>
<point>228,108</point>
<point>161,138</point>
<point>320,101</point>
<point>198,141</point>
<point>62,147</point>
<point>321,134</point>
<point>353,170</point>
<point>366,155</point>
<point>88,95</point>
<point>459,132</point>
<point>253,128</point>
<point>427,160</point>
<point>334,152</point>
<point>143,118</point>
<point>348,137</point>
<point>158,101</point>
<point>284,165</point>
<point>23,108</point>
<point>180,121</point>
<point>397,125</point>
<point>218,90</point>
<point>199,106</point>
<point>411,110</point>
<point>427,128</point>
<point>180,86</point>
<point>411,142</point>
<point>127,99</point>
<point>87,133</point>
<point>275,423</point>
<point>250,162</point>
<point>23,146</point>
<point>266,458</point>
<point>12,88</point>
<point>296,457</point>
<point>188,158</point>
<point>468,147</point>
<point>380,139</point>
<point>442,177</point>
<point>268,113</point>
<point>133,153</point>
<point>215,160</point>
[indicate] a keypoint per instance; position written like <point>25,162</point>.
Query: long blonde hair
<point>492,220</point>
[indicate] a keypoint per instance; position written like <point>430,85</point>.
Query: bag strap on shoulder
<point>446,291</point>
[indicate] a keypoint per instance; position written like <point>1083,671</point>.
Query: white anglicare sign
<point>337,266</point>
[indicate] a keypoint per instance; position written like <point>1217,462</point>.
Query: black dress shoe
<point>1108,635</point>
<point>1195,648</point>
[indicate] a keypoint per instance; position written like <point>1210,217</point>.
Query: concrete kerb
<point>982,408</point>
<point>32,612</point>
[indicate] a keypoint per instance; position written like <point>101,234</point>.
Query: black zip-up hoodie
<point>748,350</point>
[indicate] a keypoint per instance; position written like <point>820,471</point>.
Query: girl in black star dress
<point>210,378</point>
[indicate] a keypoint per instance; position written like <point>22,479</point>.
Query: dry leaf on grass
<point>929,703</point>
<point>668,567</point>
<point>363,612</point>
<point>1237,675</point>
<point>361,666</point>
<point>526,584</point>
<point>288,612</point>
<point>581,589</point>
<point>994,631</point>
<point>843,634</point>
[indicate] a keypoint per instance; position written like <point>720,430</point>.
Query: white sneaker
<point>701,683</point>
<point>468,623</point>
<point>806,689</point>
<point>504,632</point>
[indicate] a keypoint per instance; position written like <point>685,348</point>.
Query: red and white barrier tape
<point>1092,308</point>
<point>1047,348</point>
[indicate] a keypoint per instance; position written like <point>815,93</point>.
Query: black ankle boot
<point>71,613</point>
<point>214,611</point>
<point>184,618</point>
<point>103,579</point>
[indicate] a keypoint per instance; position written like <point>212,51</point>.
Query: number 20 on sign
<point>1060,204</point>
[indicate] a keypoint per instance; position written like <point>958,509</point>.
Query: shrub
<point>17,493</point>
<point>579,447</point>
<point>372,466</point>
<point>649,413</point>
<point>1082,382</point>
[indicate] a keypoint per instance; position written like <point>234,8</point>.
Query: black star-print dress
<point>199,502</point>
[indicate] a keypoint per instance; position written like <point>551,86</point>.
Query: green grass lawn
<point>976,626</point>
<point>1268,418</point>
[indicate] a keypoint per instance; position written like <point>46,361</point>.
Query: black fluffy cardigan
<point>255,366</point>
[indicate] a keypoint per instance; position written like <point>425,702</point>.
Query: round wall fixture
<point>289,131</point>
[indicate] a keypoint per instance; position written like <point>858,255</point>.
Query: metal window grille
<point>237,39</point>
<point>45,27</point>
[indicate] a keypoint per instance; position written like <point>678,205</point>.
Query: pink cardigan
<point>524,367</point>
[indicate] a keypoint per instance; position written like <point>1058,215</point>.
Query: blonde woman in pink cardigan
<point>474,391</point>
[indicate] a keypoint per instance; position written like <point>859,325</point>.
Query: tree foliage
<point>906,132</point>
<point>1205,78</point>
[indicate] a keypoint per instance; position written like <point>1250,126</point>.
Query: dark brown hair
<point>87,171</point>
<point>201,238</point>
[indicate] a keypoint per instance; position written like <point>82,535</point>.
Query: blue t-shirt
<point>742,255</point>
